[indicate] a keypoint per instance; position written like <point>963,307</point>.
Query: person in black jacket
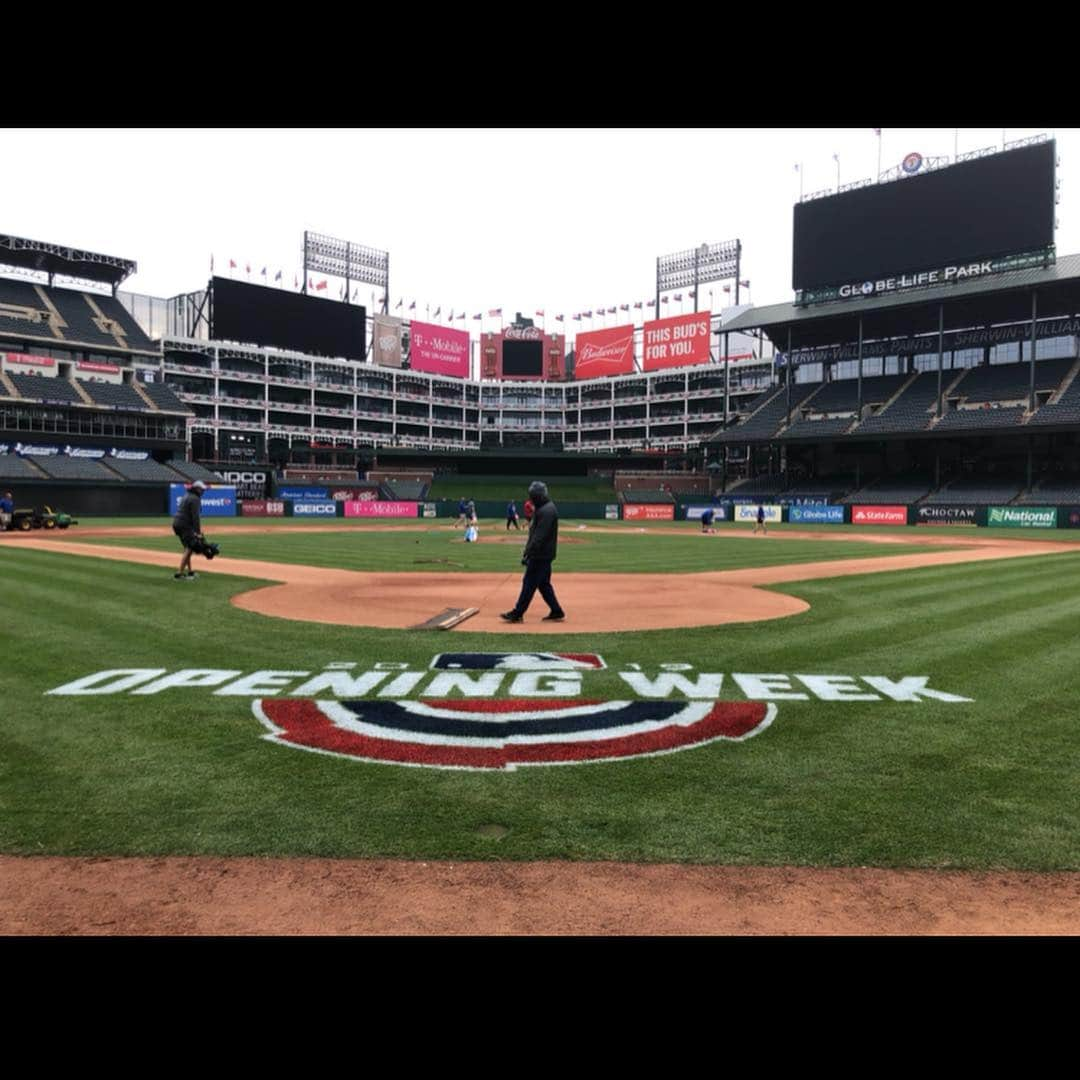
<point>538,556</point>
<point>188,527</point>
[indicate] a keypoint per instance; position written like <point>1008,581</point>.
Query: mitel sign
<point>504,711</point>
<point>215,502</point>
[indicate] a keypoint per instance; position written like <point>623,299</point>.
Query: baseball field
<point>846,729</point>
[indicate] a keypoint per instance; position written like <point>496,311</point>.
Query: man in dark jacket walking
<point>538,556</point>
<point>188,527</point>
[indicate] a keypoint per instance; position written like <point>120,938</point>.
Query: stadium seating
<point>650,496</point>
<point>842,395</point>
<point>44,388</point>
<point>141,470</point>
<point>62,467</point>
<point>894,490</point>
<point>13,467</point>
<point>911,411</point>
<point>190,470</point>
<point>1010,382</point>
<point>1048,493</point>
<point>163,397</point>
<point>115,395</point>
<point>976,491</point>
<point>804,428</point>
<point>978,419</point>
<point>1066,410</point>
<point>764,422</point>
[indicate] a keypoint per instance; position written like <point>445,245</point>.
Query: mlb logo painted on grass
<point>508,661</point>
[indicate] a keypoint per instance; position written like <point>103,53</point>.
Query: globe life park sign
<point>944,275</point>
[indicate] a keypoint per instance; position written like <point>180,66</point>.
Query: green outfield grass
<point>989,783</point>
<point>570,489</point>
<point>589,549</point>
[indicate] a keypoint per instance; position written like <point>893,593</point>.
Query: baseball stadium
<point>817,565</point>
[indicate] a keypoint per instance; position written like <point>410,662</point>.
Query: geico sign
<point>326,509</point>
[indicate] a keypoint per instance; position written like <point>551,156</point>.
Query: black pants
<point>537,576</point>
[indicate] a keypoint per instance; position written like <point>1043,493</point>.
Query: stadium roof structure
<point>65,260</point>
<point>998,298</point>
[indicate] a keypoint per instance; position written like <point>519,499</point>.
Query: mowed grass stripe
<point>987,784</point>
<point>579,551</point>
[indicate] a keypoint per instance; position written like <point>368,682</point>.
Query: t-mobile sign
<point>439,350</point>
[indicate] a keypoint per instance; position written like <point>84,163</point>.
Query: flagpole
<point>879,151</point>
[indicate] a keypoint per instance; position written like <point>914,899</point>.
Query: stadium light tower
<point>700,265</point>
<point>353,262</point>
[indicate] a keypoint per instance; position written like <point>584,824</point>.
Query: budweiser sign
<point>604,352</point>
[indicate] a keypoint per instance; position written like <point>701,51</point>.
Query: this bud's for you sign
<point>683,339</point>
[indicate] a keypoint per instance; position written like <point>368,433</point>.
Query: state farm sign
<point>879,515</point>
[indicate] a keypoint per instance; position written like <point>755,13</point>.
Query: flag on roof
<point>495,312</point>
<point>277,276</point>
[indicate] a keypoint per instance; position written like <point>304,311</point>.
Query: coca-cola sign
<point>523,333</point>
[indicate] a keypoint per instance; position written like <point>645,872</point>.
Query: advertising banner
<point>215,502</point>
<point>439,350</point>
<point>84,452</point>
<point>311,508</point>
<point>249,483</point>
<point>302,493</point>
<point>1070,517</point>
<point>129,455</point>
<point>879,515</point>
<point>604,352</point>
<point>1024,517</point>
<point>675,342</point>
<point>32,361</point>
<point>648,512</point>
<point>262,508</point>
<point>944,514</point>
<point>359,493</point>
<point>693,513</point>
<point>611,511</point>
<point>380,508</point>
<point>93,365</point>
<point>387,344</point>
<point>816,514</point>
<point>748,512</point>
<point>24,450</point>
<point>430,510</point>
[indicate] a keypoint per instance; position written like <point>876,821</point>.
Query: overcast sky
<point>561,220</point>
